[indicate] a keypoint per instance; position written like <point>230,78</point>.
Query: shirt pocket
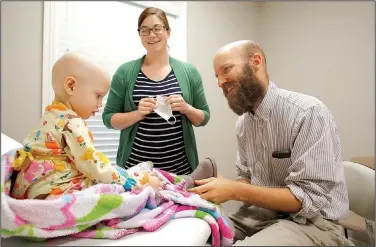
<point>280,170</point>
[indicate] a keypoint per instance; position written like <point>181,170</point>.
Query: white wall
<point>210,26</point>
<point>327,50</point>
<point>21,65</point>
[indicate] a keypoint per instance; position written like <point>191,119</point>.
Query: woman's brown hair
<point>154,11</point>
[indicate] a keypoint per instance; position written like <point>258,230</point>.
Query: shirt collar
<point>59,107</point>
<point>268,102</point>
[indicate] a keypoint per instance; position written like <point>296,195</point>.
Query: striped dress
<point>157,140</point>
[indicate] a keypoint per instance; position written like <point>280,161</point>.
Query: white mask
<point>163,109</point>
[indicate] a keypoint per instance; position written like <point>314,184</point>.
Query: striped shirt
<point>314,173</point>
<point>156,140</point>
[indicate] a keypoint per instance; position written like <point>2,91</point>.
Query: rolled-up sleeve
<point>241,160</point>
<point>241,167</point>
<point>315,153</point>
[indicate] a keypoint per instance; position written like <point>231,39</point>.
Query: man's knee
<point>290,233</point>
<point>282,233</point>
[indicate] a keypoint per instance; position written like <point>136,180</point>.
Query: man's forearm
<point>242,180</point>
<point>278,199</point>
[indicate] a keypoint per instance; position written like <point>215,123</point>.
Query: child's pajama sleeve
<point>92,164</point>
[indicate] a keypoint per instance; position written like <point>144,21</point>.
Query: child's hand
<point>155,182</point>
<point>137,189</point>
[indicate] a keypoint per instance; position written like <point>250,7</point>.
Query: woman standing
<point>147,132</point>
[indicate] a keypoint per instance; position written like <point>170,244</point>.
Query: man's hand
<point>216,190</point>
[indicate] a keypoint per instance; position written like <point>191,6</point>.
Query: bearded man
<point>291,176</point>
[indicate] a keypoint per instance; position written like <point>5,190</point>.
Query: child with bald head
<point>59,156</point>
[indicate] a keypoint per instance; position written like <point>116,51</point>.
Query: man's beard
<point>247,92</point>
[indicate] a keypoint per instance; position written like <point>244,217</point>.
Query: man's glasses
<point>157,29</point>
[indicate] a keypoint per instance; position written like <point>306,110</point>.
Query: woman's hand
<point>146,106</point>
<point>177,103</point>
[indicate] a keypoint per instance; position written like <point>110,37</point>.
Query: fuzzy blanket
<point>105,210</point>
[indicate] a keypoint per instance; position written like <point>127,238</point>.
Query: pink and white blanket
<point>106,211</point>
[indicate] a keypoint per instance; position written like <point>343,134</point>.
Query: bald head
<point>78,66</point>
<point>244,48</point>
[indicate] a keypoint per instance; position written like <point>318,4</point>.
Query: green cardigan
<point>120,99</point>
